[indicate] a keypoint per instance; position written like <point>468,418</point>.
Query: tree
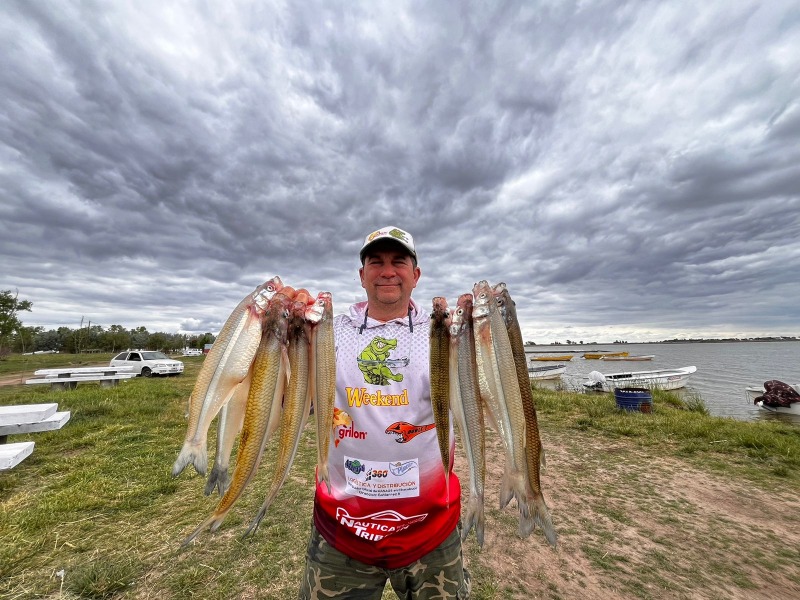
<point>10,305</point>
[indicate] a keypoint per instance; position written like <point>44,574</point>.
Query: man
<point>388,515</point>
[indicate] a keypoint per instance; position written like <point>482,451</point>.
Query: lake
<point>724,370</point>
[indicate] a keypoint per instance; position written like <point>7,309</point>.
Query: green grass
<point>722,444</point>
<point>96,499</point>
<point>19,363</point>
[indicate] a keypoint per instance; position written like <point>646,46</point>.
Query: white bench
<point>13,454</point>
<point>28,418</point>
<point>68,378</point>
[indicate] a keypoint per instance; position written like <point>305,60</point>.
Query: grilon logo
<point>350,432</point>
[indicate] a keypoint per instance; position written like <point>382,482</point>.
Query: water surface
<point>724,370</point>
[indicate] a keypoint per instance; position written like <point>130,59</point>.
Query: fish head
<point>462,315</point>
<point>484,301</point>
<point>303,295</point>
<point>276,319</point>
<point>440,309</point>
<point>504,303</point>
<point>320,308</point>
<point>264,293</point>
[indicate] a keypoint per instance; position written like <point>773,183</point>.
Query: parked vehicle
<point>662,379</point>
<point>147,363</point>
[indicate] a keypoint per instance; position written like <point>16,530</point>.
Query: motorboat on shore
<point>640,357</point>
<point>553,358</point>
<point>599,355</point>
<point>662,379</point>
<point>546,372</point>
<point>755,392</point>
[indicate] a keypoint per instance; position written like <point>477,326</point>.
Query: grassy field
<point>95,513</point>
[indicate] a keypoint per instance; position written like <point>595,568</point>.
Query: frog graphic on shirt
<point>375,364</point>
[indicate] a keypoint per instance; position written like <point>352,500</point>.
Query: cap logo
<point>396,233</point>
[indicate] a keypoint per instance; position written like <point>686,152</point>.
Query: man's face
<point>389,276</point>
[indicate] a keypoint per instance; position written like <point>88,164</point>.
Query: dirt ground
<point>634,525</point>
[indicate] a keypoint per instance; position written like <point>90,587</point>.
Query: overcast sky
<point>631,169</point>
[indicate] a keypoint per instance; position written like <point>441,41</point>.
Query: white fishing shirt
<point>388,504</point>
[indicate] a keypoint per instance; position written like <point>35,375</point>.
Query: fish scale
<point>297,402</point>
<point>323,360</point>
<point>534,453</point>
<point>262,409</point>
<point>467,409</point>
<point>496,367</point>
<point>226,365</point>
<point>440,380</point>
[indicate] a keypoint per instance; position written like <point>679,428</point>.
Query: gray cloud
<point>630,170</point>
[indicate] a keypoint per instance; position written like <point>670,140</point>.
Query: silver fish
<point>225,366</point>
<point>467,409</point>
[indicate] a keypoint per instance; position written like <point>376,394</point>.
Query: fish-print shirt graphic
<point>388,504</point>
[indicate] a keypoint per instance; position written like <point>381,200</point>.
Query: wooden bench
<point>28,418</point>
<point>68,378</point>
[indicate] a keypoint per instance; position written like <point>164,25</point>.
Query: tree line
<point>16,337</point>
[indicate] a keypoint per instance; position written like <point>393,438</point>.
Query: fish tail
<point>254,525</point>
<point>541,517</point>
<point>212,522</point>
<point>513,485</point>
<point>192,452</point>
<point>218,478</point>
<point>526,526</point>
<point>506,488</point>
<point>474,518</point>
<point>323,475</point>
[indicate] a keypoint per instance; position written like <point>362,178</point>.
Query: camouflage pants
<point>331,574</point>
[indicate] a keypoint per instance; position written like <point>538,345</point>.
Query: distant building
<point>207,348</point>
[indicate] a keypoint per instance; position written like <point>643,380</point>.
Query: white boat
<point>662,379</point>
<point>639,357</point>
<point>546,372</point>
<point>755,391</point>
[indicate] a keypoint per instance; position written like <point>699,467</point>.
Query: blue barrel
<point>634,399</point>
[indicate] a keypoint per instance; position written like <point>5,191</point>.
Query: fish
<point>230,422</point>
<point>323,364</point>
<point>467,409</point>
<point>262,408</point>
<point>297,402</point>
<point>224,367</point>
<point>440,380</point>
<point>499,388</point>
<point>534,452</point>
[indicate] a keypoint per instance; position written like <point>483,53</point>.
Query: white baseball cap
<point>392,233</point>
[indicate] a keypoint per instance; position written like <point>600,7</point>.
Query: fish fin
<point>254,525</point>
<point>285,359</point>
<point>542,461</point>
<point>218,478</point>
<point>213,522</point>
<point>540,515</point>
<point>474,518</point>
<point>323,475</point>
<point>514,485</point>
<point>191,453</point>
